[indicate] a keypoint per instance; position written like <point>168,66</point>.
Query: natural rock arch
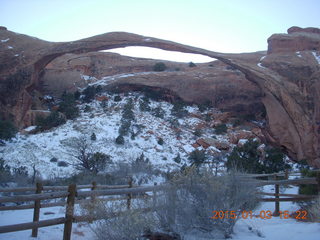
<point>289,124</point>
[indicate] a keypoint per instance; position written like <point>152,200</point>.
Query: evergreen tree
<point>144,105</point>
<point>93,137</point>
<point>158,112</point>
<point>7,130</point>
<point>177,159</point>
<point>120,140</point>
<point>197,157</point>
<point>68,106</point>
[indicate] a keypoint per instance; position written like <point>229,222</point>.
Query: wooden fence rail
<point>124,192</point>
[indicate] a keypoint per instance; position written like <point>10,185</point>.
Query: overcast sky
<point>218,25</point>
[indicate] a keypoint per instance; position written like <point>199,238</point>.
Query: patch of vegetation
<point>68,106</point>
<point>54,119</point>
<point>197,132</point>
<point>191,64</point>
<point>248,158</point>
<point>120,140</point>
<point>54,160</point>
<point>179,110</point>
<point>204,106</point>
<point>221,129</point>
<point>159,67</point>
<point>308,189</point>
<point>177,159</point>
<point>160,141</point>
<point>62,164</point>
<point>93,137</point>
<point>158,112</point>
<point>117,98</point>
<point>144,105</point>
<point>89,93</point>
<point>7,130</point>
<point>197,157</point>
<point>87,108</point>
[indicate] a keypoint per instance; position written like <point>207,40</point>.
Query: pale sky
<point>218,25</point>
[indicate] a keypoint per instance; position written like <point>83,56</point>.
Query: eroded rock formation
<point>289,85</point>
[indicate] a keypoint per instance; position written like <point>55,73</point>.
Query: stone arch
<point>281,106</point>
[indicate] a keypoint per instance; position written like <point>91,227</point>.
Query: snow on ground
<point>316,56</point>
<point>268,229</point>
<point>80,231</point>
<point>38,149</point>
<point>298,54</point>
<point>107,80</point>
<point>5,40</point>
<point>276,227</point>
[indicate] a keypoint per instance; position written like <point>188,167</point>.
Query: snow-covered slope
<point>38,149</point>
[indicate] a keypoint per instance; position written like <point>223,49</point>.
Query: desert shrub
<point>124,127</point>
<point>99,162</point>
<point>144,105</point>
<point>120,140</point>
<point>314,211</point>
<point>197,157</point>
<point>158,112</point>
<point>177,159</point>
<point>160,141</point>
<point>247,158</point>
<point>141,165</point>
<point>54,160</point>
<point>93,137</point>
<point>62,164</point>
<point>68,106</point>
<point>204,106</point>
<point>274,161</point>
<point>5,172</point>
<point>179,110</point>
<point>77,95</point>
<point>89,93</point>
<point>197,132</point>
<point>131,224</point>
<point>117,98</point>
<point>84,158</point>
<point>7,130</point>
<point>188,204</point>
<point>191,64</point>
<point>159,67</point>
<point>54,119</point>
<point>221,129</point>
<point>87,108</point>
<point>308,189</point>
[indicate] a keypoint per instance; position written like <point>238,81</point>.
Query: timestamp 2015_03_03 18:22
<point>300,214</point>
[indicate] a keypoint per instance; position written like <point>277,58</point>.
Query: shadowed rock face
<point>292,103</point>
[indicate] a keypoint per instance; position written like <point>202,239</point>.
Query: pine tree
<point>177,159</point>
<point>93,137</point>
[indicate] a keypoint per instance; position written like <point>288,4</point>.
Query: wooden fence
<point>71,194</point>
<point>279,197</point>
<point>74,195</point>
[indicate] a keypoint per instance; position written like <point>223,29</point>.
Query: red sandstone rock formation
<point>292,103</point>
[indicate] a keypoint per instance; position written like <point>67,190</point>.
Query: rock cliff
<point>287,79</point>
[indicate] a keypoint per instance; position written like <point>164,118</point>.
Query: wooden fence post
<point>129,195</point>
<point>36,211</point>
<point>286,174</point>
<point>277,197</point>
<point>93,202</point>
<point>318,180</point>
<point>72,189</point>
<point>154,196</point>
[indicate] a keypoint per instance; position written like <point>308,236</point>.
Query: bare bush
<point>119,223</point>
<point>314,211</point>
<point>187,206</point>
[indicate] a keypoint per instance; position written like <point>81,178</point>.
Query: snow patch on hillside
<point>316,56</point>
